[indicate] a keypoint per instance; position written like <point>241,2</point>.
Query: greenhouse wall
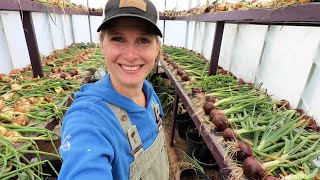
<point>285,59</point>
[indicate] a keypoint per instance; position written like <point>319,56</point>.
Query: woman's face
<point>130,51</point>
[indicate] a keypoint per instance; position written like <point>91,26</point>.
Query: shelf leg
<point>173,123</point>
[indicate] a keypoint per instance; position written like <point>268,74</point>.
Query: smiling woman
<point>130,53</point>
<point>113,130</point>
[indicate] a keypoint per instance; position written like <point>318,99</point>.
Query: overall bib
<point>149,164</point>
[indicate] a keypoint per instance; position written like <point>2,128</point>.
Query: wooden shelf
<point>32,6</point>
<point>306,15</point>
<point>210,138</point>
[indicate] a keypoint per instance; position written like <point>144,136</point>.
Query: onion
<point>245,150</point>
<point>4,78</point>
<point>181,71</point>
<point>253,169</point>
<point>2,104</point>
<point>28,68</point>
<point>196,90</point>
<point>229,134</point>
<point>63,75</point>
<point>15,86</point>
<point>55,70</point>
<point>208,9</point>
<point>49,62</point>
<point>32,100</point>
<point>311,123</point>
<point>14,72</point>
<point>221,122</point>
<point>12,136</point>
<point>211,99</point>
<point>165,56</point>
<point>214,112</point>
<point>23,108</point>
<point>175,65</point>
<point>283,103</point>
<point>22,120</point>
<point>300,111</point>
<point>241,81</point>
<point>207,107</point>
<point>8,133</point>
<point>49,99</point>
<point>222,71</point>
<point>185,77</point>
<point>73,72</point>
<point>3,130</point>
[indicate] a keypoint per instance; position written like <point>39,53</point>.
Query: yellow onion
<point>22,120</point>
<point>8,96</point>
<point>3,130</point>
<point>49,99</point>
<point>12,136</point>
<point>58,90</point>
<point>32,100</point>
<point>2,104</point>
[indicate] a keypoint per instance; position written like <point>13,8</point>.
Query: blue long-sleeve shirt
<point>93,144</point>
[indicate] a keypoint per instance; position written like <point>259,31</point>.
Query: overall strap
<point>156,110</point>
<point>129,130</point>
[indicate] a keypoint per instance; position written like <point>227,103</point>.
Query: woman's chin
<point>132,82</point>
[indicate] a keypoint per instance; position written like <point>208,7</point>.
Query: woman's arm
<point>85,148</point>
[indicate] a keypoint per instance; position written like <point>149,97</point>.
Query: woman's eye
<point>118,39</point>
<point>143,41</point>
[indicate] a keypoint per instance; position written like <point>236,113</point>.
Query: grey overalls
<point>149,164</point>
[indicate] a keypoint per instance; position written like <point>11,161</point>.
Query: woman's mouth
<point>130,68</point>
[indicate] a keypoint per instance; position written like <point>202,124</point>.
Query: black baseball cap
<point>143,9</point>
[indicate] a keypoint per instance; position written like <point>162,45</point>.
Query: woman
<point>113,129</point>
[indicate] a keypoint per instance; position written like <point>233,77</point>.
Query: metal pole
<point>215,53</point>
<point>32,44</point>
<point>89,22</point>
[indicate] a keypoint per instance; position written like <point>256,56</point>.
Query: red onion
<point>245,150</point>
<point>253,169</point>
<point>229,134</point>
<point>211,99</point>
<point>207,107</point>
<point>221,122</point>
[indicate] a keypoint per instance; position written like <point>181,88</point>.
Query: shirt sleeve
<point>84,147</point>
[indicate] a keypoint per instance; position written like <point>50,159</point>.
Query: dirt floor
<point>177,159</point>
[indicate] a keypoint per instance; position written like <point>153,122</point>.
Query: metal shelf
<point>26,7</point>
<point>298,15</point>
<point>32,6</point>
<point>210,138</point>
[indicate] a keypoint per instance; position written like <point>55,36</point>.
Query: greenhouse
<point>160,89</point>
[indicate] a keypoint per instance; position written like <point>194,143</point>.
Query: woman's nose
<point>131,52</point>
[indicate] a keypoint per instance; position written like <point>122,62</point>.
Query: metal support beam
<point>216,48</point>
<point>32,44</point>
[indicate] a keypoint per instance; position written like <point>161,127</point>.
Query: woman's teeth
<point>130,68</point>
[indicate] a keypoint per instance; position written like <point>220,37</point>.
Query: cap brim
<point>155,27</point>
